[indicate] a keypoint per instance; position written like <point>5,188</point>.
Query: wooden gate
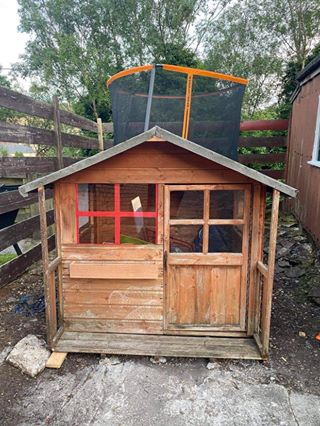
<point>206,242</point>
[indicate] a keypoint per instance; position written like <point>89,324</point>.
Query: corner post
<point>268,282</point>
<point>47,280</point>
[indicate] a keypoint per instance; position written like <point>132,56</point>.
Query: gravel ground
<point>134,391</point>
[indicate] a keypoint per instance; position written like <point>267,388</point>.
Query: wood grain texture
<point>67,212</point>
<point>123,270</point>
<point>151,252</point>
<point>268,282</point>
<point>201,347</point>
<point>114,326</point>
<point>23,103</point>
<point>21,230</point>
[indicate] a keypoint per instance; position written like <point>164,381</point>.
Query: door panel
<point>206,266</point>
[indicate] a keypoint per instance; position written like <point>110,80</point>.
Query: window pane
<point>185,238</point>
<point>96,197</point>
<point>137,230</point>
<point>96,230</point>
<point>186,205</point>
<point>226,204</point>
<point>225,239</point>
<point>140,197</point>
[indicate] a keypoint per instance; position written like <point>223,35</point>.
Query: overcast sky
<point>12,43</point>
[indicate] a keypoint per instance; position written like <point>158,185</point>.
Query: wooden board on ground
<point>56,359</point>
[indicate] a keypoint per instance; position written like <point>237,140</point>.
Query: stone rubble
<point>29,355</point>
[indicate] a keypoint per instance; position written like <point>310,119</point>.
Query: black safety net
<point>158,97</point>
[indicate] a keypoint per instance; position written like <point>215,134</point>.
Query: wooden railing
<point>85,134</point>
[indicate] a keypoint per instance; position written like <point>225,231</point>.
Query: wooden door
<point>206,239</point>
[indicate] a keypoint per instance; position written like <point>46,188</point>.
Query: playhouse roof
<point>171,138</point>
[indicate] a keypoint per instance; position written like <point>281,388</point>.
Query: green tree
<point>75,45</point>
<point>257,38</point>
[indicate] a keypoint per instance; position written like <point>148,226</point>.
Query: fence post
<point>57,130</point>
<point>100,134</point>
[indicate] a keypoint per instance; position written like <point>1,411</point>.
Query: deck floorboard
<point>158,345</point>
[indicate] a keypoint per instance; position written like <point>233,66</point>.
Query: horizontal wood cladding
<point>114,326</point>
<point>98,285</point>
<point>113,288</point>
<point>159,162</point>
<point>223,259</point>
<point>122,252</point>
<point>121,312</point>
<point>121,270</point>
<point>113,297</point>
<point>156,175</point>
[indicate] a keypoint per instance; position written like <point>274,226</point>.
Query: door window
<point>209,220</point>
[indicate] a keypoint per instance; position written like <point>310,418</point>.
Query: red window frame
<point>117,214</point>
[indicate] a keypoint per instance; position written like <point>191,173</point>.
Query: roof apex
<point>171,138</point>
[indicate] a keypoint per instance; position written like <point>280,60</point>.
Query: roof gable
<point>171,138</point>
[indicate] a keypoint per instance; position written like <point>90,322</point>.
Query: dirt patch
<point>294,357</point>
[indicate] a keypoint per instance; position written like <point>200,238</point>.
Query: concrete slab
<point>140,393</point>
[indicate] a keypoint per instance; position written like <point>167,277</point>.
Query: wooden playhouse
<point>159,252</point>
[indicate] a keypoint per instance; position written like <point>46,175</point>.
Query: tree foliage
<point>75,44</point>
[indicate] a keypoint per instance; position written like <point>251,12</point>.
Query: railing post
<point>100,134</point>
<point>57,130</point>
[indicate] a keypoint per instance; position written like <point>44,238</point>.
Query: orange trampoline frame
<point>190,73</point>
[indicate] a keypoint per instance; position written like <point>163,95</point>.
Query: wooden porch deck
<point>158,345</point>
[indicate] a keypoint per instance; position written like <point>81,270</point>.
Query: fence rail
<point>23,167</point>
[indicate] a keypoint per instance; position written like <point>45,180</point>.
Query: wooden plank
<point>114,326</point>
<point>53,265</point>
<point>156,175</point>
<point>16,133</point>
<point>15,167</point>
<point>47,278</point>
<point>123,270</point>
<point>254,125</point>
<point>16,267</point>
<point>123,312</point>
<point>224,259</point>
<point>276,157</point>
<point>263,141</point>
<point>149,345</point>
<point>57,131</point>
<point>67,213</point>
<point>268,283</point>
<point>113,297</point>
<point>12,200</point>
<point>121,285</point>
<point>23,103</point>
<point>57,209</point>
<point>122,252</point>
<point>56,360</point>
<point>257,222</point>
<point>262,268</point>
<point>20,230</point>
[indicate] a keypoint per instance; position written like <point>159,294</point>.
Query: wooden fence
<point>25,167</point>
